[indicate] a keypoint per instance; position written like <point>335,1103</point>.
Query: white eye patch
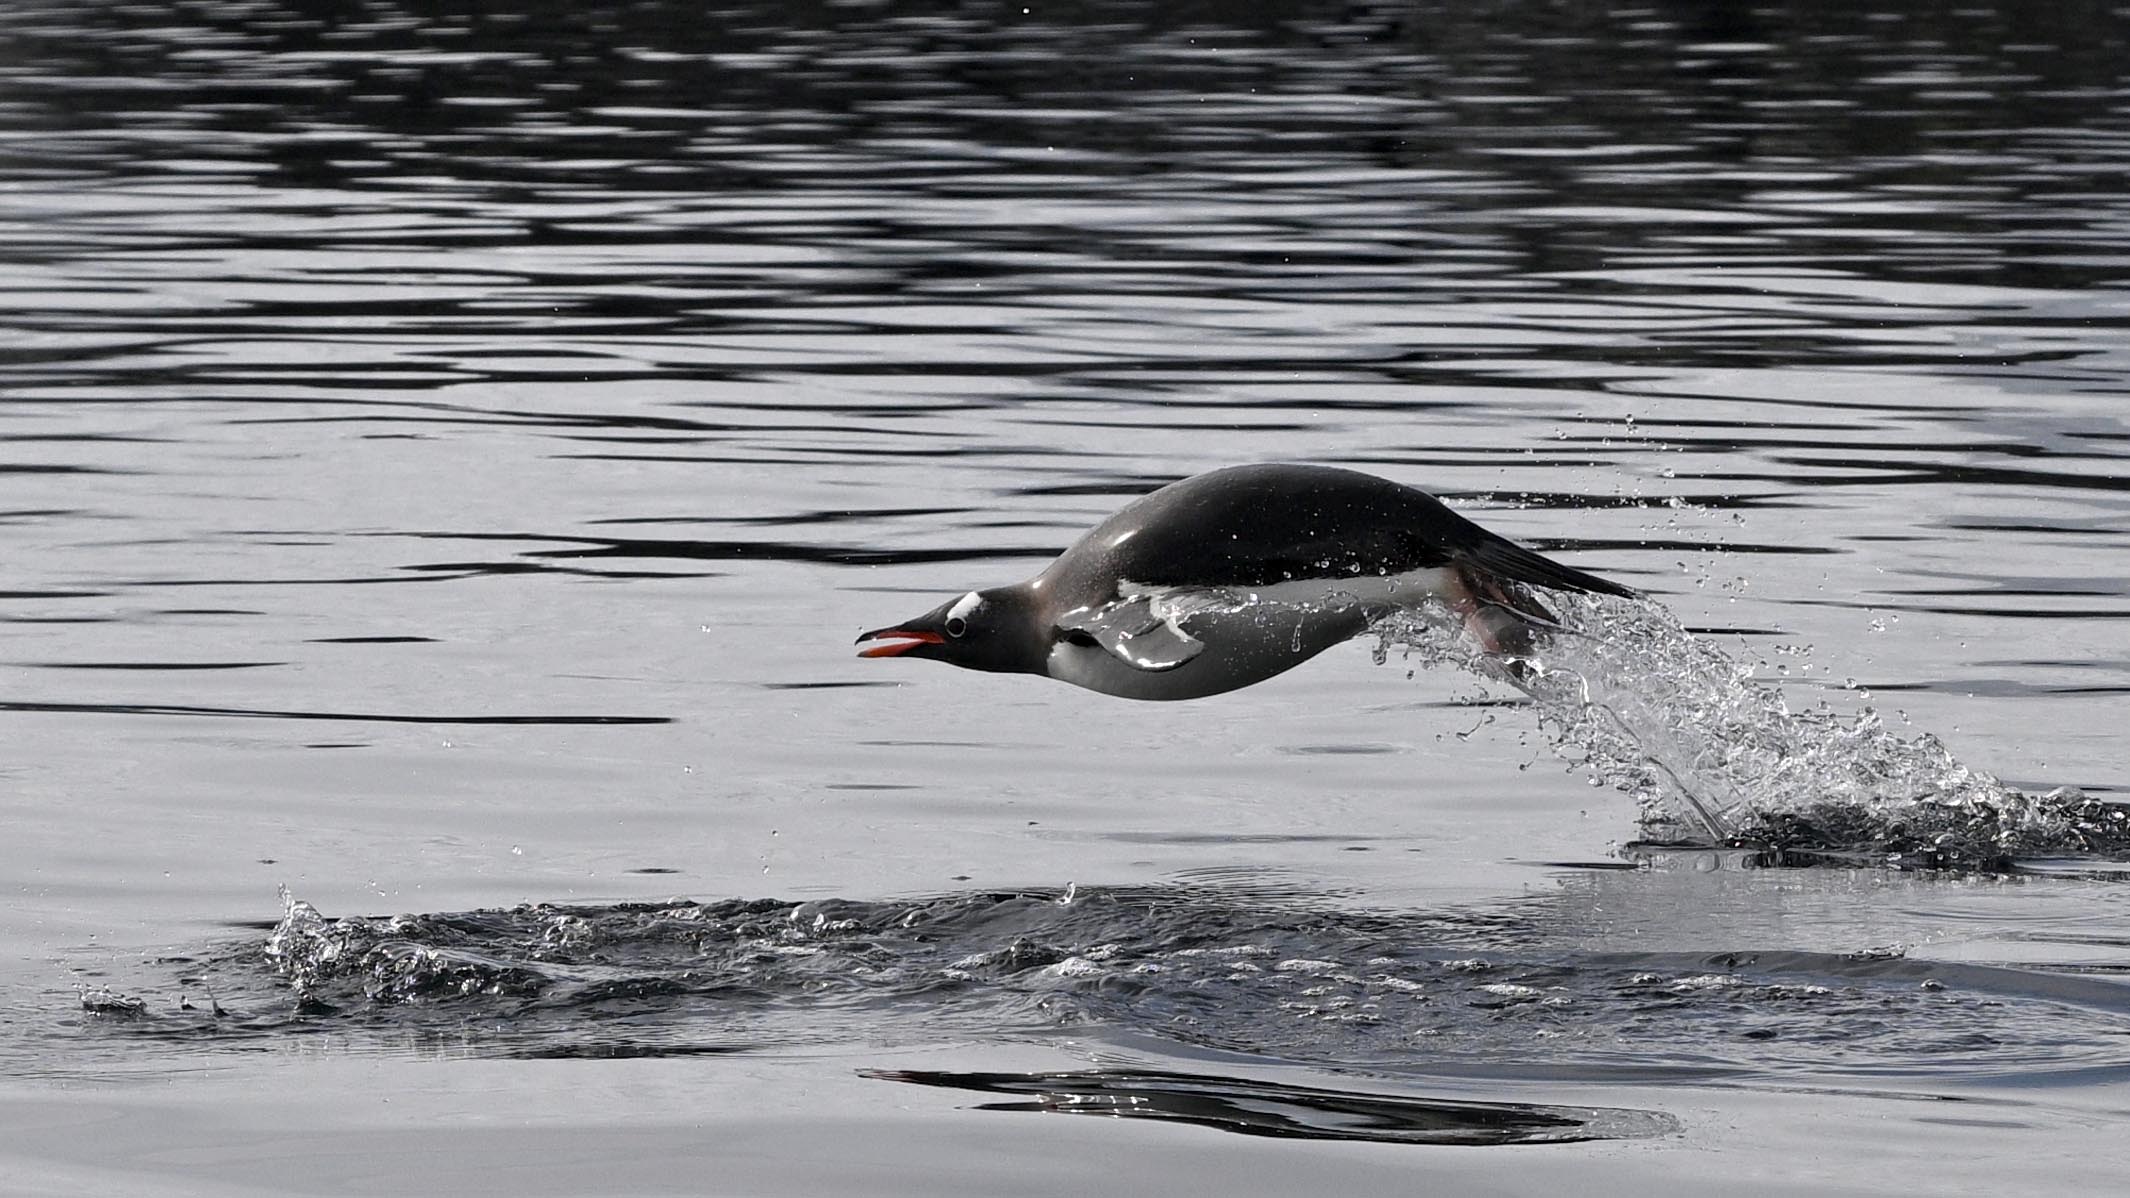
<point>964,606</point>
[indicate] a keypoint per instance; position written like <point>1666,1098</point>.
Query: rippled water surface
<point>444,460</point>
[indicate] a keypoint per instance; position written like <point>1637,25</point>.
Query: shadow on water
<point>1258,1108</point>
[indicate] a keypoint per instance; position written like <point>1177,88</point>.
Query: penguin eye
<point>957,621</point>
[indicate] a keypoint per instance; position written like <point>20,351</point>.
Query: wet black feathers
<point>1254,526</point>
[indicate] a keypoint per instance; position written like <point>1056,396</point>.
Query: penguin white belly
<point>1188,642</point>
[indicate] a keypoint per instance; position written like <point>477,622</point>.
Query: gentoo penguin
<point>1230,577</point>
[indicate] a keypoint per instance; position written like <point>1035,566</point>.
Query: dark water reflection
<point>906,285</point>
<point>812,236</point>
<point>860,188</point>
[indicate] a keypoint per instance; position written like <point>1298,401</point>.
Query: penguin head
<point>982,630</point>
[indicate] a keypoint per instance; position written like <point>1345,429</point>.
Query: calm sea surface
<point>444,461</point>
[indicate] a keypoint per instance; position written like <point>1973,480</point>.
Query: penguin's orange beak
<point>897,641</point>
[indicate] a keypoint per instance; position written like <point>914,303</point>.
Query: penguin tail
<point>1506,560</point>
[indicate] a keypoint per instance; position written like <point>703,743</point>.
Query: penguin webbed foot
<point>1499,614</point>
<point>1508,621</point>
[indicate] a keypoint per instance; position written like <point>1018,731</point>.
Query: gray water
<point>444,460</point>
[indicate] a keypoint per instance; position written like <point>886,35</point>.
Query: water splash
<point>1709,751</point>
<point>1285,979</point>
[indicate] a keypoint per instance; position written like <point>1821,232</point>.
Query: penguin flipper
<point>1132,633</point>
